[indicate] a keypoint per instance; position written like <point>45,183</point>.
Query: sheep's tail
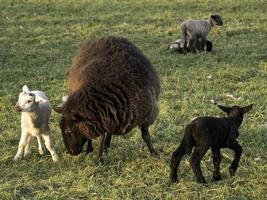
<point>188,139</point>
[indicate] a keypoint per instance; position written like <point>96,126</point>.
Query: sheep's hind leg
<point>238,151</point>
<point>146,138</point>
<point>27,150</point>
<point>195,159</point>
<point>50,146</point>
<point>216,163</point>
<point>192,45</point>
<point>107,142</point>
<point>176,158</point>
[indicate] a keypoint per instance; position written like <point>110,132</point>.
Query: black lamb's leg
<point>89,148</point>
<point>216,163</point>
<point>176,158</point>
<point>146,138</point>
<point>238,151</point>
<point>195,159</point>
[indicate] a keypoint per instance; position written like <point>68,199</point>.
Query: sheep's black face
<point>73,140</point>
<point>217,19</point>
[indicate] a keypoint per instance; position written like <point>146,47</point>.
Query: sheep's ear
<point>39,99</point>
<point>247,108</point>
<point>225,109</point>
<point>65,98</point>
<point>58,109</point>
<point>25,89</point>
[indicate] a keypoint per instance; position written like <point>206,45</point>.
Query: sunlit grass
<point>38,40</point>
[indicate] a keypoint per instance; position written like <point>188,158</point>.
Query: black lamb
<point>210,132</point>
<point>113,89</point>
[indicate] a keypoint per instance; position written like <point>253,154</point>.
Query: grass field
<point>38,40</point>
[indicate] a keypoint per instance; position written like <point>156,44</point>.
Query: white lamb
<point>35,114</point>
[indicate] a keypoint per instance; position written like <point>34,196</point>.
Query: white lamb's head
<point>27,100</point>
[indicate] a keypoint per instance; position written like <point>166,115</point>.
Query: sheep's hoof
<point>55,158</point>
<point>41,152</point>
<point>173,179</point>
<point>231,172</point>
<point>155,155</point>
<point>99,160</point>
<point>18,157</point>
<point>203,181</point>
<point>217,177</point>
<point>27,153</point>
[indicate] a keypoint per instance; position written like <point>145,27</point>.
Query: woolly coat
<point>113,88</point>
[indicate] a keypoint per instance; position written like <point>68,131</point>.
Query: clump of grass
<point>38,41</point>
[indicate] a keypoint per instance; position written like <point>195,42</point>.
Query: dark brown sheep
<point>113,89</point>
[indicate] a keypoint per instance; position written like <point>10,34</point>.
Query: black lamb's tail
<point>188,138</point>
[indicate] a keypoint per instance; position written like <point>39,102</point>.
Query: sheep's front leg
<point>27,150</point>
<point>99,157</point>
<point>40,144</point>
<point>89,148</point>
<point>195,159</point>
<point>146,138</point>
<point>216,163</point>
<point>22,144</point>
<point>238,151</point>
<point>50,146</point>
<point>175,161</point>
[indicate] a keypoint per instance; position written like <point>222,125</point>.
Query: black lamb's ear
<point>247,108</point>
<point>225,109</point>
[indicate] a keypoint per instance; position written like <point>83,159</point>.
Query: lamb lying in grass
<point>35,114</point>
<point>177,46</point>
<point>194,31</point>
<point>210,132</point>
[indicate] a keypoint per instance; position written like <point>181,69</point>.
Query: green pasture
<point>38,39</point>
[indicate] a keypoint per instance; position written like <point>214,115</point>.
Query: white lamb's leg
<point>22,143</point>
<point>27,150</point>
<point>50,146</point>
<point>40,144</point>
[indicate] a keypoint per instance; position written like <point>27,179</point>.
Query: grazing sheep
<point>113,89</point>
<point>194,31</point>
<point>177,46</point>
<point>35,114</point>
<point>210,132</point>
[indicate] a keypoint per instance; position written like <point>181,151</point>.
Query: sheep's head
<point>27,100</point>
<point>217,19</point>
<point>70,126</point>
<point>235,110</point>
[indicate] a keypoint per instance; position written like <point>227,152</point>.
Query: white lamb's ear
<point>25,89</point>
